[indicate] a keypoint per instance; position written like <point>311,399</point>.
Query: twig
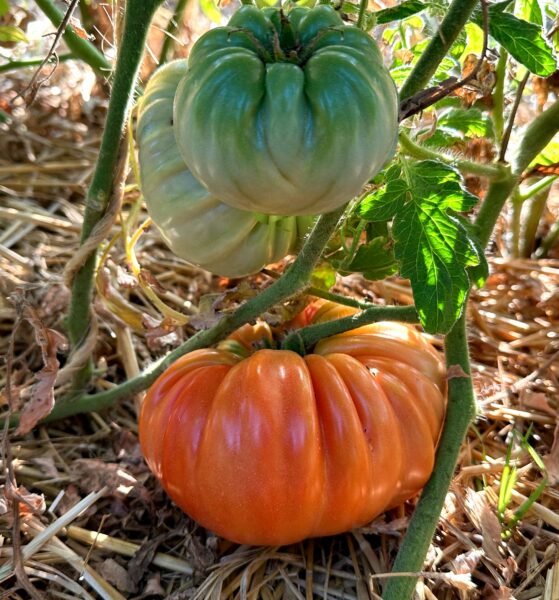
<point>80,47</point>
<point>428,97</point>
<point>52,52</point>
<point>12,65</point>
<point>451,26</point>
<point>512,116</point>
<point>524,383</point>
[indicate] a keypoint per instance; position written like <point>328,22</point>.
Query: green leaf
<point>522,40</point>
<point>549,155</point>
<point>471,122</point>
<point>323,276</point>
<point>431,242</point>
<point>529,10</point>
<point>209,8</point>
<point>4,7</point>
<point>375,260</point>
<point>400,11</point>
<point>11,33</point>
<point>383,204</point>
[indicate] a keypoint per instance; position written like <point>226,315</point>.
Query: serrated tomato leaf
<point>523,40</point>
<point>375,260</point>
<point>432,242</point>
<point>383,204</point>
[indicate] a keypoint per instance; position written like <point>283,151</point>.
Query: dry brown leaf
<point>502,593</point>
<point>93,474</point>
<point>160,333</point>
<point>551,460</point>
<point>42,395</point>
<point>153,587</point>
<point>117,575</point>
<point>537,401</point>
<point>485,521</point>
<point>467,562</point>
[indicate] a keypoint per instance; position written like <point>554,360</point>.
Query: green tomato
<point>193,222</point>
<point>286,114</point>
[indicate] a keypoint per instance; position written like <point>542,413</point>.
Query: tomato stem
<point>307,337</point>
<point>138,16</point>
<point>460,412</point>
<point>81,48</point>
<point>289,284</point>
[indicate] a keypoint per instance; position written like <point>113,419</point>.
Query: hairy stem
<point>309,336</point>
<point>79,47</point>
<point>492,172</point>
<point>536,137</point>
<point>548,241</point>
<point>460,412</point>
<point>515,224</point>
<point>499,95</point>
<point>170,31</point>
<point>535,210</point>
<point>137,20</point>
<point>290,283</point>
<point>461,403</point>
<point>12,65</point>
<point>452,24</point>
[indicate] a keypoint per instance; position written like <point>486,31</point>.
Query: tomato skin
<point>292,134</point>
<point>195,224</point>
<point>275,448</point>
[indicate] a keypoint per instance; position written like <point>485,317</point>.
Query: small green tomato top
<point>193,222</point>
<point>286,114</point>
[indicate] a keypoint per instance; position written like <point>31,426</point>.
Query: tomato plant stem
<point>449,29</point>
<point>170,31</point>
<point>23,64</point>
<point>136,24</point>
<point>498,111</point>
<point>291,282</point>
<point>460,412</point>
<point>492,172</point>
<point>309,336</point>
<point>81,48</point>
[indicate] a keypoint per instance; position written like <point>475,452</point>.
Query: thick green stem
<point>542,184</point>
<point>515,224</point>
<point>137,20</point>
<point>492,172</point>
<point>449,29</point>
<point>549,241</point>
<point>461,404</point>
<point>170,31</point>
<point>536,137</point>
<point>80,47</point>
<point>491,208</point>
<point>460,412</point>
<point>287,285</point>
<point>24,64</point>
<point>307,337</point>
<point>535,210</point>
<point>499,95</point>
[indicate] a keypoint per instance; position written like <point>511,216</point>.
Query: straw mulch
<point>87,519</point>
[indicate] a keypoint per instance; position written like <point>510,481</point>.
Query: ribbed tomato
<point>286,113</point>
<point>276,447</point>
<point>196,225</point>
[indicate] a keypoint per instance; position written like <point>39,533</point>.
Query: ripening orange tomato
<point>275,447</point>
